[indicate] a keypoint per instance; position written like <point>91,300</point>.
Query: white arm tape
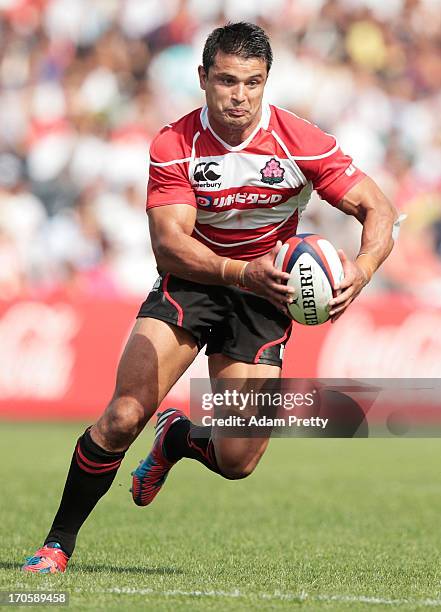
<point>396,226</point>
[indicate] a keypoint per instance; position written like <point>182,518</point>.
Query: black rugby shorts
<point>228,320</point>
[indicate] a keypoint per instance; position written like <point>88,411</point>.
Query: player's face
<point>234,90</point>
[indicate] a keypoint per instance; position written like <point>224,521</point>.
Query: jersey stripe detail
<point>248,251</point>
<point>191,165</point>
<point>301,119</point>
<point>243,242</point>
<point>322,156</point>
<point>170,163</point>
<point>297,170</point>
<point>310,157</point>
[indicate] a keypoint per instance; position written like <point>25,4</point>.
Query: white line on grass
<point>277,595</point>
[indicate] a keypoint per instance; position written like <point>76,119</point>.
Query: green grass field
<point>321,525</point>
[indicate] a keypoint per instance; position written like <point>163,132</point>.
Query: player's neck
<point>234,136</point>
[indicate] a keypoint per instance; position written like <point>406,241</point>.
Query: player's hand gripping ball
<point>315,269</point>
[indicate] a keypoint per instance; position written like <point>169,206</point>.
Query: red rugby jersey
<point>249,196</point>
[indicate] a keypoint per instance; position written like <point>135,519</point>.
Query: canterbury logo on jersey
<point>205,172</point>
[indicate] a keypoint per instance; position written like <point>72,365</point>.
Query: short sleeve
<point>331,171</point>
<point>168,181</point>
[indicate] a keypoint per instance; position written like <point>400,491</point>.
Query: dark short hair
<point>244,39</point>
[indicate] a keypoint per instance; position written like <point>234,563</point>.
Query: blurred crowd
<point>85,85</point>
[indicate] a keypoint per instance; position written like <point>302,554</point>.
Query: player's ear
<point>202,77</point>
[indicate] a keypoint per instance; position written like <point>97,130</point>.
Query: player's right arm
<point>177,252</point>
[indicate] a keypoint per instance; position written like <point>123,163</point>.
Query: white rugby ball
<point>315,268</point>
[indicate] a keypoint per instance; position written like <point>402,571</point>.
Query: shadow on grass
<point>76,568</point>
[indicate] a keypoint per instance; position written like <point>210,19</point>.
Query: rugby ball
<point>314,267</point>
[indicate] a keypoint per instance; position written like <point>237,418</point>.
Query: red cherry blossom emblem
<point>272,172</point>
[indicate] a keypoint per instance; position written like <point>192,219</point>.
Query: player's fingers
<point>341,297</point>
<point>342,256</point>
<point>283,290</point>
<point>337,315</point>
<point>272,282</point>
<point>278,275</point>
<point>344,262</point>
<point>336,309</point>
<point>279,296</point>
<point>276,248</point>
<point>281,304</point>
<point>347,281</point>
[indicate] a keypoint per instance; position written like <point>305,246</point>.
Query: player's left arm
<point>370,206</point>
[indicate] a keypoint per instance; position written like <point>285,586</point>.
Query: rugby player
<point>227,186</point>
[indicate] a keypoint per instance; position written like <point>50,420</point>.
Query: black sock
<point>193,441</point>
<point>91,473</point>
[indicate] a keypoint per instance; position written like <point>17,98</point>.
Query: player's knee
<point>236,465</point>
<point>127,417</point>
<point>122,422</point>
<point>236,471</point>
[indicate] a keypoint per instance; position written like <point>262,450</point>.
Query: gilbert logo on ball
<point>314,267</point>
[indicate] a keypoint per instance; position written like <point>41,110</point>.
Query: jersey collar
<point>263,123</point>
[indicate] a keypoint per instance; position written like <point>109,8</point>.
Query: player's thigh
<point>156,355</point>
<point>235,454</point>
